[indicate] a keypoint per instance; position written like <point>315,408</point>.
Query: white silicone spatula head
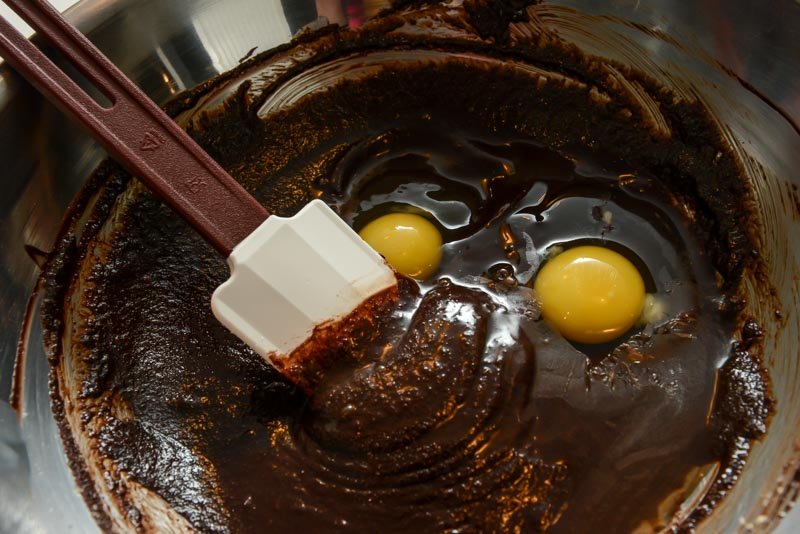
<point>292,275</point>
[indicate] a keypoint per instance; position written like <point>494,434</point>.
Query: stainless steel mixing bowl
<point>167,46</point>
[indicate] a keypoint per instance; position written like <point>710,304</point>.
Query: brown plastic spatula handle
<point>135,131</point>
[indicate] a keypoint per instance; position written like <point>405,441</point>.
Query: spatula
<point>288,275</point>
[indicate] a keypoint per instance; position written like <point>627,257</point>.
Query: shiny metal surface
<point>169,46</point>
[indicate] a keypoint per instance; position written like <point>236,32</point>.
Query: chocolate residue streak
<point>333,342</point>
<point>17,375</point>
<point>443,406</point>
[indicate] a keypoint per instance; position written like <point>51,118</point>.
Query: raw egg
<point>411,244</point>
<point>590,294</point>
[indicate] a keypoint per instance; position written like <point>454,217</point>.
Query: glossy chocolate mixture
<point>455,409</point>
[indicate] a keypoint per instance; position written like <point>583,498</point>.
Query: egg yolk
<point>410,243</point>
<point>590,294</point>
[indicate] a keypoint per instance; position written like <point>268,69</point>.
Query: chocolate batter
<point>456,408</point>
